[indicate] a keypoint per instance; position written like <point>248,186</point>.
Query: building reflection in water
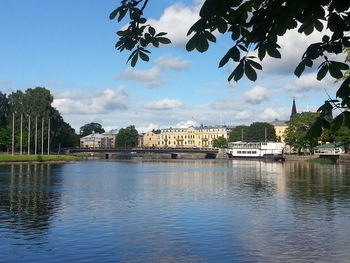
<point>27,201</point>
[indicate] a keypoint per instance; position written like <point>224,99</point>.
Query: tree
<point>4,110</point>
<point>296,132</point>
<point>127,137</point>
<point>220,142</point>
<point>257,25</point>
<point>36,104</point>
<point>238,133</point>
<point>261,131</point>
<point>5,138</point>
<point>91,128</point>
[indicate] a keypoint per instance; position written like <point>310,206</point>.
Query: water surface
<point>175,211</point>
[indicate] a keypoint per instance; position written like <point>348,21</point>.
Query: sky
<point>68,47</point>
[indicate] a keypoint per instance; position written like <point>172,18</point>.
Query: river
<point>175,211</point>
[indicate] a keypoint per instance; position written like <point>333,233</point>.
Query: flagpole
<point>48,138</point>
<point>13,133</point>
<point>21,138</point>
<point>29,135</point>
<point>42,136</point>
<point>36,135</point>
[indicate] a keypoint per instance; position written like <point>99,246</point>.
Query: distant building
<point>111,135</point>
<point>201,136</point>
<point>280,128</point>
<point>97,140</point>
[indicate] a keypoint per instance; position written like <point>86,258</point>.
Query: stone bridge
<point>174,153</point>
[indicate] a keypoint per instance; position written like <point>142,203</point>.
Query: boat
<point>270,151</point>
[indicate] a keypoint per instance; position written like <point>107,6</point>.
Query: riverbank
<point>8,158</point>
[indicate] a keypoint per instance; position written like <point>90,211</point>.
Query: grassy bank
<point>37,158</point>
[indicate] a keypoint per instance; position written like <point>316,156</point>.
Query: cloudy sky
<point>68,47</point>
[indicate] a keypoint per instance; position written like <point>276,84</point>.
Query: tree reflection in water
<point>27,200</point>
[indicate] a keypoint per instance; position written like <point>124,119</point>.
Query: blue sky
<point>68,47</point>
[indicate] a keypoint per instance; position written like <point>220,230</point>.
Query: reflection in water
<point>175,211</point>
<point>27,200</point>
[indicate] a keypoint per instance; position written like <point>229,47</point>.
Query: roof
<point>111,132</point>
<point>94,135</point>
<point>278,123</point>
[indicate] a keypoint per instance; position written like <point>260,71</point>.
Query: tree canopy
<point>254,132</point>
<point>89,128</point>
<point>33,104</point>
<point>220,142</point>
<point>256,25</point>
<point>127,137</point>
<point>238,133</point>
<point>298,126</point>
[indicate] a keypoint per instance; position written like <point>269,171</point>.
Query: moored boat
<point>271,151</point>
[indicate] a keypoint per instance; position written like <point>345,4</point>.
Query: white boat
<point>260,150</point>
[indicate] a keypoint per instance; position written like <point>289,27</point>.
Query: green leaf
<point>261,52</point>
<point>134,59</point>
<point>250,72</point>
<point>341,65</point>
<point>164,40</point>
<point>318,25</point>
<point>346,118</point>
<point>142,20</point>
<point>273,52</point>
<point>151,30</point>
<point>322,72</point>
<point>344,90</point>
<point>225,58</point>
<point>237,74</point>
<point>335,71</point>
<point>255,64</point>
<point>113,14</point>
<point>235,33</point>
<point>192,43</point>
<point>309,28</point>
<point>202,44</point>
<point>235,54</point>
<point>315,130</point>
<point>161,34</point>
<point>210,36</point>
<point>122,13</point>
<point>299,69</point>
<point>337,122</point>
<point>143,56</point>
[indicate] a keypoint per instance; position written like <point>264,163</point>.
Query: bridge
<point>209,153</point>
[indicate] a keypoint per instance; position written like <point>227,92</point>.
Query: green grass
<point>37,158</point>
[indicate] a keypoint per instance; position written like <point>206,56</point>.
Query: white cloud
<point>164,104</point>
<point>96,103</point>
<point>293,45</point>
<point>147,128</point>
<point>176,20</point>
<point>186,124</point>
<point>150,77</point>
<point>275,113</point>
<point>172,63</point>
<point>256,95</point>
<point>308,82</point>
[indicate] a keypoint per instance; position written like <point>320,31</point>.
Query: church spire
<point>294,109</point>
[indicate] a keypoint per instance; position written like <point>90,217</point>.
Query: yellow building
<point>96,140</point>
<point>202,136</point>
<point>280,128</point>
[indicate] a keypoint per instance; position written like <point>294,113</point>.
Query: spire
<point>294,109</point>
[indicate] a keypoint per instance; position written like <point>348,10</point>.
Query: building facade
<point>97,140</point>
<point>280,129</point>
<point>192,137</point>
